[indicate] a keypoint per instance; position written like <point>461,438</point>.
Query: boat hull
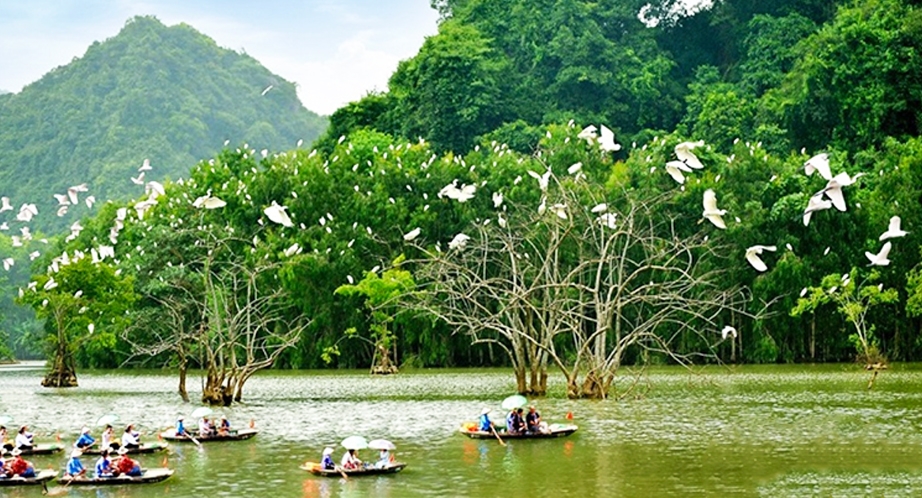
<point>555,431</point>
<point>144,448</point>
<point>240,435</point>
<point>316,469</point>
<point>40,477</point>
<point>149,476</point>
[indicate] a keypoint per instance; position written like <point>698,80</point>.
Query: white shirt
<point>129,438</point>
<point>23,440</point>
<point>349,460</point>
<point>106,439</point>
<point>203,427</point>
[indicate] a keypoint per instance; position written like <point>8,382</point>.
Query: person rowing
<point>181,426</point>
<point>130,438</point>
<point>75,467</point>
<point>24,438</point>
<point>484,423</point>
<point>85,440</point>
<point>326,463</point>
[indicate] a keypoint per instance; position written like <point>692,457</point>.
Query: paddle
<point>193,440</point>
<point>497,435</point>
<point>341,471</point>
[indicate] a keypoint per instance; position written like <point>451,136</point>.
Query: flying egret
<point>683,151</point>
<point>139,180</point>
<point>816,203</point>
<point>820,164</point>
<point>208,201</point>
<point>6,206</point>
<point>834,187</point>
<point>588,133</point>
<point>710,209</point>
<point>277,214</point>
<point>728,330</point>
<point>154,189</point>
<point>607,140</point>
<point>62,210</point>
<point>90,200</point>
<point>26,212</point>
<point>63,200</point>
<point>7,263</point>
<point>145,166</point>
<point>752,255</point>
<point>675,169</point>
<point>143,206</point>
<point>412,234</point>
<point>608,220</point>
<point>543,180</point>
<point>879,259</point>
<point>459,242</point>
<point>73,191</point>
<point>893,230</point>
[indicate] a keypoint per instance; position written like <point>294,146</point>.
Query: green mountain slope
<point>168,94</point>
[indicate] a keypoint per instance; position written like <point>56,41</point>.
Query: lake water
<point>743,431</point>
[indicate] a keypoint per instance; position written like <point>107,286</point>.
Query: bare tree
<point>600,280</point>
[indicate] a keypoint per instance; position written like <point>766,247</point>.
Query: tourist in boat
<point>21,467</point>
<point>24,438</point>
<point>351,460</point>
<point>326,463</point>
<point>104,465</point>
<point>514,422</point>
<point>533,422</point>
<point>74,466</point>
<point>224,426</point>
<point>384,459</point>
<point>204,428</point>
<point>85,440</point>
<point>180,426</point>
<point>130,439</point>
<point>5,443</point>
<point>125,465</point>
<point>107,435</point>
<point>485,424</point>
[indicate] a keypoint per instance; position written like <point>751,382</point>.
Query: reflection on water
<point>754,431</point>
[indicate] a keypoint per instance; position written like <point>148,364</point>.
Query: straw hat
<point>123,451</point>
<point>327,451</point>
<point>485,411</point>
<point>16,451</point>
<point>86,430</point>
<point>75,454</point>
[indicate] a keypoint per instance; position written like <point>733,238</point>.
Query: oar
<point>497,435</point>
<point>341,471</point>
<point>193,440</point>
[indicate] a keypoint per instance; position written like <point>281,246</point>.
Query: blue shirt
<point>74,466</point>
<point>85,441</point>
<point>103,469</point>
<point>327,462</point>
<point>180,428</point>
<point>485,423</point>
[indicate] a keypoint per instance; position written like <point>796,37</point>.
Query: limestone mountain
<point>165,93</point>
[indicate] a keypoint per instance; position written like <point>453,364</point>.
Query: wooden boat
<point>237,435</point>
<point>40,477</point>
<point>147,476</point>
<point>555,430</point>
<point>42,449</point>
<point>144,448</point>
<point>316,469</point>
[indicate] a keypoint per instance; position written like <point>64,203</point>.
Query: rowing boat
<point>170,435</point>
<point>554,430</point>
<point>144,448</point>
<point>42,449</point>
<point>316,469</point>
<point>40,477</point>
<point>147,476</point>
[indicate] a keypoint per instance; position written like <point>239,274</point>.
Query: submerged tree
<point>83,304</point>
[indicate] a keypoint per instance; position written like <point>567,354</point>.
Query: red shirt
<point>125,465</point>
<point>18,465</point>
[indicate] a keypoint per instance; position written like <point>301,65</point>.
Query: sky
<point>335,50</point>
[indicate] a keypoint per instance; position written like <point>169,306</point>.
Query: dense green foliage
<point>485,102</point>
<point>168,94</point>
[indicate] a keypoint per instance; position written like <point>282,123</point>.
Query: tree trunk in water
<point>218,389</point>
<point>520,384</point>
<point>593,387</point>
<point>382,365</point>
<point>182,382</point>
<point>62,373</point>
<point>537,385</point>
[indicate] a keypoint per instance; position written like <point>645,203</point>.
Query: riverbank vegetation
<point>475,175</point>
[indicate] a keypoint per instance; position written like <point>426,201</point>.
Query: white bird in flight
<point>834,187</point>
<point>543,180</point>
<point>752,255</point>
<point>816,203</point>
<point>278,215</point>
<point>675,169</point>
<point>560,210</point>
<point>412,234</point>
<point>879,259</point>
<point>588,133</point>
<point>73,191</point>
<point>684,152</point>
<point>607,140</point>
<point>6,206</point>
<point>893,230</point>
<point>63,199</point>
<point>820,164</point>
<point>145,166</point>
<point>208,201</point>
<point>710,209</point>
